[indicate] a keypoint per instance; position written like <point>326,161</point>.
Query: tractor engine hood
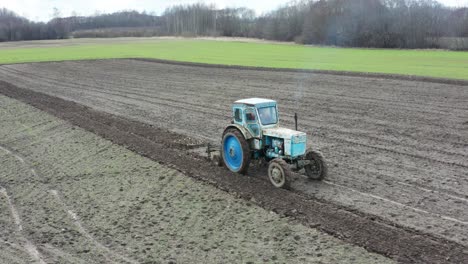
<point>285,133</point>
<point>295,142</point>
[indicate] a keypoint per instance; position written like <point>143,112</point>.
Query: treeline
<point>354,23</point>
<point>15,28</point>
<point>201,19</point>
<point>367,23</point>
<point>351,23</point>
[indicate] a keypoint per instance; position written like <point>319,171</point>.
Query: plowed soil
<point>397,149</point>
<point>69,196</point>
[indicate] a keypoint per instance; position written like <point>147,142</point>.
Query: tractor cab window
<point>268,115</point>
<point>238,115</point>
<point>250,116</point>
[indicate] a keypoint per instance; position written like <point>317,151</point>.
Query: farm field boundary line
<point>166,147</point>
<point>328,72</point>
<point>292,70</point>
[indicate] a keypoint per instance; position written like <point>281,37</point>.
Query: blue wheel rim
<point>232,153</point>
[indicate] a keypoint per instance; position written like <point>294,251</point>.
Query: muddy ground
<point>397,149</point>
<point>69,196</point>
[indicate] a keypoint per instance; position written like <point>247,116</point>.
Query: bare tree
<point>357,23</point>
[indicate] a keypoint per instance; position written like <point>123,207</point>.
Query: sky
<point>42,10</point>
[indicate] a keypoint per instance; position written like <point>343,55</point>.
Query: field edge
<point>389,76</point>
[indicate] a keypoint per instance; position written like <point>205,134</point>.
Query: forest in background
<point>348,23</point>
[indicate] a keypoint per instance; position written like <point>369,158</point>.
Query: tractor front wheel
<point>279,173</point>
<point>235,151</point>
<point>317,168</point>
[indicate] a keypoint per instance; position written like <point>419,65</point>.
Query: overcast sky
<point>41,10</point>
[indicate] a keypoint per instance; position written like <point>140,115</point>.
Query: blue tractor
<point>254,133</point>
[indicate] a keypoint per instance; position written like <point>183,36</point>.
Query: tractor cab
<point>254,114</point>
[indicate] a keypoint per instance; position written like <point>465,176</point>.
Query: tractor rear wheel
<point>235,151</point>
<point>317,168</point>
<point>279,173</point>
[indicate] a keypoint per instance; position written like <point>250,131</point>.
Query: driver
<point>250,117</point>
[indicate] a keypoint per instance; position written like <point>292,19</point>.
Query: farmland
<point>430,63</point>
<point>396,149</point>
<point>108,166</point>
<point>78,198</point>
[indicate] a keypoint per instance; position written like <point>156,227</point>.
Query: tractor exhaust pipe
<point>295,119</point>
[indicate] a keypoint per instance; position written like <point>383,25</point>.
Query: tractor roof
<point>254,101</point>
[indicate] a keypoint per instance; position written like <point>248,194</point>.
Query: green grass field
<point>433,63</point>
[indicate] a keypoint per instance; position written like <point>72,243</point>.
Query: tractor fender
<point>242,129</point>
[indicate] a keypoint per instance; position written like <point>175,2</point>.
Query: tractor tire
<point>317,169</point>
<point>235,151</point>
<point>279,173</point>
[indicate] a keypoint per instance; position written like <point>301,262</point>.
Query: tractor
<point>255,134</point>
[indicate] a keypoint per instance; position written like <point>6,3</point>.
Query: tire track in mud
<point>29,246</point>
<point>462,196</point>
<point>381,203</point>
<point>396,203</point>
<point>454,213</point>
<point>376,235</point>
<point>53,128</point>
<point>110,256</point>
<point>453,196</point>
